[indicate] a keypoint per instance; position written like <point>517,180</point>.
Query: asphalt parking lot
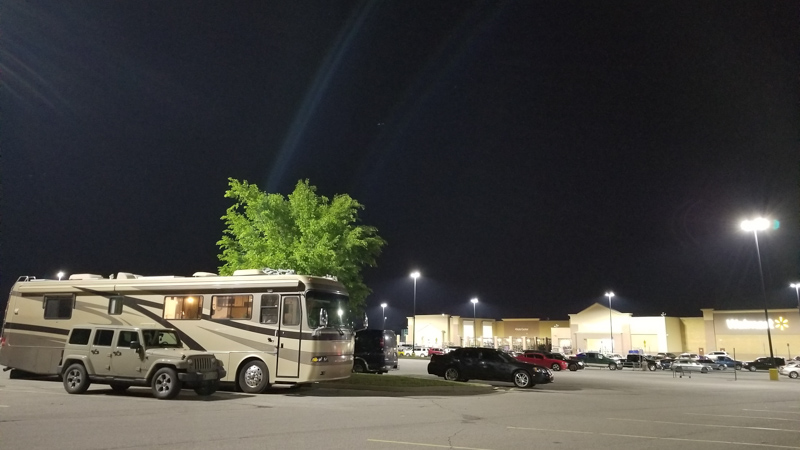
<point>593,408</point>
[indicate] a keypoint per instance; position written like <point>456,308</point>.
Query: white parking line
<point>744,417</point>
<point>707,425</point>
<point>772,410</point>
<point>634,436</point>
<point>423,445</point>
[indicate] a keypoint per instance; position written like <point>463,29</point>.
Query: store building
<point>599,328</point>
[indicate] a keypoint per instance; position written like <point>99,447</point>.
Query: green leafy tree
<point>307,233</point>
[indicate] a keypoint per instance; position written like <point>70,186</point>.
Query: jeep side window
<point>80,336</point>
<point>126,337</point>
<point>103,338</point>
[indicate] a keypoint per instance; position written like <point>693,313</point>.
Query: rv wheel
<point>254,377</point>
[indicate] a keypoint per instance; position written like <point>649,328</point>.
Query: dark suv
<point>375,351</point>
<point>764,363</point>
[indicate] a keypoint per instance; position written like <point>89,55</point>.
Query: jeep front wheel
<point>166,384</point>
<point>76,380</point>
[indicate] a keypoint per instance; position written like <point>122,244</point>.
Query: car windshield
<point>336,305</point>
<point>161,339</point>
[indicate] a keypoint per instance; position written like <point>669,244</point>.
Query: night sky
<point>532,154</point>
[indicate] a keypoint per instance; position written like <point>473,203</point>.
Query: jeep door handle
<point>95,351</point>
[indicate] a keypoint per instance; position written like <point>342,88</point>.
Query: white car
<point>717,354</point>
<point>791,369</point>
<point>688,365</point>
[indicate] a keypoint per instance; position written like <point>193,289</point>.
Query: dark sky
<point>532,154</point>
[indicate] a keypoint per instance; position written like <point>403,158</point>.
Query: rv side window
<point>231,306</point>
<point>185,307</point>
<point>291,311</point>
<point>103,338</point>
<point>58,306</point>
<point>115,306</point>
<point>80,336</point>
<point>269,308</point>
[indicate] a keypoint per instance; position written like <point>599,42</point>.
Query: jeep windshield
<point>161,339</point>
<point>337,306</point>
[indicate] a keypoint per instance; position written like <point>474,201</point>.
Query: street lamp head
<point>758,224</point>
<point>60,275</point>
<point>474,300</point>
<point>795,285</point>
<point>609,294</point>
<point>384,305</point>
<point>414,275</point>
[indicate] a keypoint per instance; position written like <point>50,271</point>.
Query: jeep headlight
<point>191,362</point>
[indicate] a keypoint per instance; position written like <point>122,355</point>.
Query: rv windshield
<point>161,338</point>
<point>336,305</point>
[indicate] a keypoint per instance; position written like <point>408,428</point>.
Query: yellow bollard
<point>773,374</point>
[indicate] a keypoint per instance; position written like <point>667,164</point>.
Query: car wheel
<point>612,367</point>
<point>522,379</point>
<point>704,370</point>
<point>793,374</point>
<point>752,368</point>
<point>166,384</point>
<point>738,367</point>
<point>76,380</point>
<point>573,367</point>
<point>207,389</point>
<point>651,367</point>
<point>119,387</point>
<point>254,377</point>
<point>451,374</point>
<point>359,367</point>
<point>724,367</point>
<point>556,367</point>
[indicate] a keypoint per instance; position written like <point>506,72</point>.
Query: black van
<point>376,351</point>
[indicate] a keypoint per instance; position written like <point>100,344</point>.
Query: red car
<point>435,351</point>
<point>541,360</point>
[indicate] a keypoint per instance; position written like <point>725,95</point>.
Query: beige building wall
<point>693,334</point>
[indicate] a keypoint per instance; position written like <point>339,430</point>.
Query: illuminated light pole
<point>383,313</point>
<point>414,275</point>
<point>60,275</point>
<point>610,294</point>
<point>796,287</point>
<point>474,321</point>
<point>756,225</point>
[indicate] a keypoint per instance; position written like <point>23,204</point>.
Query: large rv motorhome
<point>265,328</point>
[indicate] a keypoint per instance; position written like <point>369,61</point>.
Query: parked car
<point>573,364</point>
<point>764,363</point>
<point>688,365</point>
<point>665,363</point>
<point>450,348</point>
<point>404,349</point>
<point>637,361</point>
<point>597,359</point>
<point>791,369</point>
<point>688,356</point>
<point>487,364</point>
<point>435,351</point>
<point>730,362</point>
<point>711,363</point>
<point>666,355</point>
<point>717,354</point>
<point>540,359</point>
<point>375,351</point>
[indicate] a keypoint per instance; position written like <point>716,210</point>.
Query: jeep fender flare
<point>71,359</point>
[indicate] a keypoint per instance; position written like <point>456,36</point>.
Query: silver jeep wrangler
<point>124,356</point>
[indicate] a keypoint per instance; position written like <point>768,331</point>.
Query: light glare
<point>759,224</point>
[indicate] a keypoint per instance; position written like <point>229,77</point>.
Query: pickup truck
<point>597,359</point>
<point>637,361</point>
